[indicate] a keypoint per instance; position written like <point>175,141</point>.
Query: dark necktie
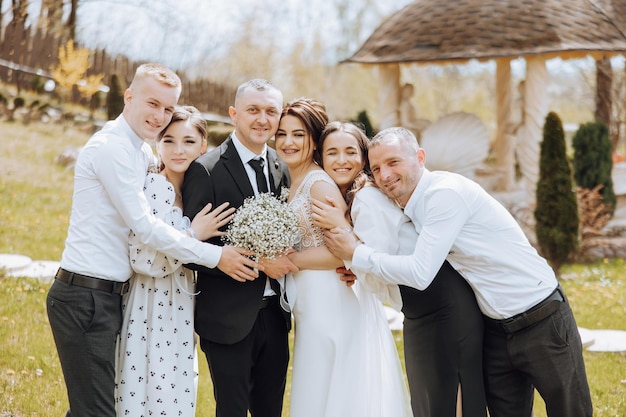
<point>261,181</point>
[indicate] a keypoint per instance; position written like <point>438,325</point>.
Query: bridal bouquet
<point>265,225</point>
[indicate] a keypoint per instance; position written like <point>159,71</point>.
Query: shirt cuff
<point>361,258</point>
<point>210,255</point>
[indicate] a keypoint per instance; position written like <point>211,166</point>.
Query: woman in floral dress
<point>155,372</point>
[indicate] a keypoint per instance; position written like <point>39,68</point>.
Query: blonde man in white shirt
<point>531,338</point>
<point>84,302</point>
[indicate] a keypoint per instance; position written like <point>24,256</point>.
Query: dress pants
<point>85,324</point>
<point>443,334</point>
<point>547,356</point>
<point>252,373</point>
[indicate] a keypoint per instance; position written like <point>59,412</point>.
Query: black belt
<point>72,278</point>
<point>268,301</point>
<point>533,315</point>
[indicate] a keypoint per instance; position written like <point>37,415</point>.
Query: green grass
<point>35,200</point>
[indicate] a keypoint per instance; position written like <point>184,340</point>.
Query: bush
<point>363,121</point>
<point>115,98</point>
<point>593,161</point>
<point>556,212</point>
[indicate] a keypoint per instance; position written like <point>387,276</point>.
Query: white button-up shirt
<point>457,220</point>
<point>109,201</point>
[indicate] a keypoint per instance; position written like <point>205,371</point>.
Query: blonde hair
<point>159,72</point>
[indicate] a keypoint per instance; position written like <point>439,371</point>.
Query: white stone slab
<point>10,262</point>
<point>586,337</point>
<point>37,269</point>
<point>606,340</point>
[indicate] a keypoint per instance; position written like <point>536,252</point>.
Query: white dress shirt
<point>109,201</point>
<point>246,155</point>
<point>457,220</point>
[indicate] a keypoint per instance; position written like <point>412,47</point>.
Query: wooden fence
<point>27,57</point>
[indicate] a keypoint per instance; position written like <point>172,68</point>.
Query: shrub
<point>363,121</point>
<point>593,161</point>
<point>556,212</point>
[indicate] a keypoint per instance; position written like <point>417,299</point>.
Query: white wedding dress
<point>327,361</point>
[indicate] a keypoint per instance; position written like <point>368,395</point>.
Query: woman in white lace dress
<point>328,332</point>
<point>155,372</point>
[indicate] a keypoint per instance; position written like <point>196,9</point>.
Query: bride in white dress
<point>327,361</point>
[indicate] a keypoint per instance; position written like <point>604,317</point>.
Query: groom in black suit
<point>242,328</point>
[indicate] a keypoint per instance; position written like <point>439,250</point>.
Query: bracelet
<point>347,229</point>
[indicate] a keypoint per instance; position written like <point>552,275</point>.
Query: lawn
<point>35,195</point>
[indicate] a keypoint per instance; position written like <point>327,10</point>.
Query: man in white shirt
<point>531,337</point>
<point>84,302</point>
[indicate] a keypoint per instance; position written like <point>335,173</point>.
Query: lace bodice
<point>310,235</point>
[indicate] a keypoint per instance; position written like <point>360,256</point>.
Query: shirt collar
<point>246,154</point>
<point>419,191</point>
<point>134,138</point>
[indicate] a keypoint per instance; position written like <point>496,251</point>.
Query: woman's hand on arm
<point>206,223</point>
<point>329,213</point>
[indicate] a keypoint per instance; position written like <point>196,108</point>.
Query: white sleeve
<point>116,168</point>
<point>148,261</point>
<point>445,215</point>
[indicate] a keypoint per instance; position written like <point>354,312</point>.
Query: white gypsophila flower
<point>264,224</point>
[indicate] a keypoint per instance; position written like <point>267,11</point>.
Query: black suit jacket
<point>226,309</point>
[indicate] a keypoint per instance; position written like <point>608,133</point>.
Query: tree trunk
<point>604,90</point>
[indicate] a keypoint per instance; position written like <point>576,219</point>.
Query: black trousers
<point>443,335</point>
<point>252,373</point>
<point>547,356</point>
<point>85,324</point>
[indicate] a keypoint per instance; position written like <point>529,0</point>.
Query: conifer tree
<point>363,121</point>
<point>556,212</point>
<point>593,161</point>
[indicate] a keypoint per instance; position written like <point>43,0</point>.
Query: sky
<point>181,33</point>
<point>190,34</point>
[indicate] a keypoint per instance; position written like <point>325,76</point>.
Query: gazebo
<point>441,32</point>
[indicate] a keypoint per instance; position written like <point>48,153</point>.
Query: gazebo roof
<point>439,31</point>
